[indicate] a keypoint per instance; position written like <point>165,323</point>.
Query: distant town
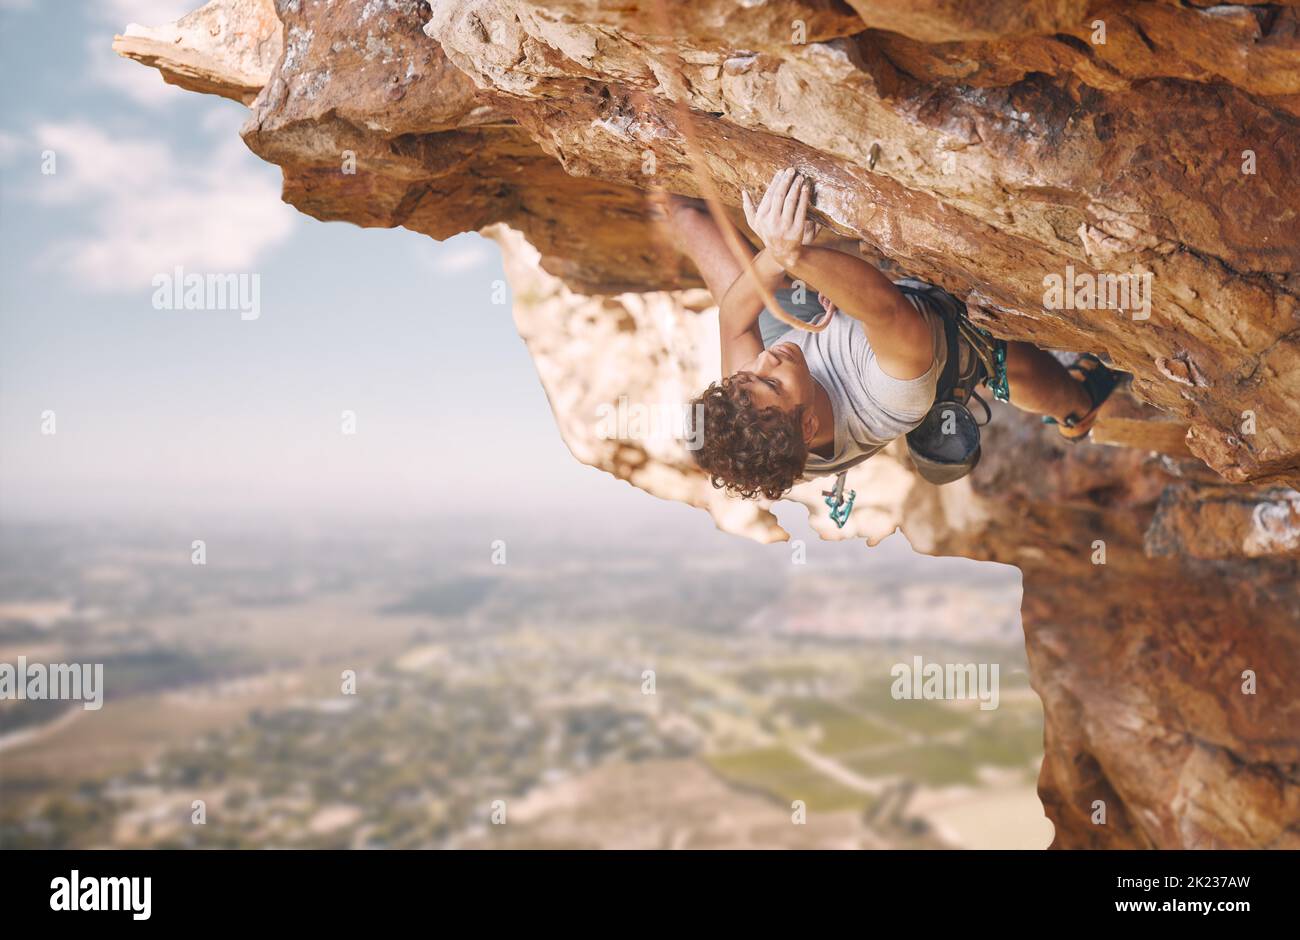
<point>396,689</point>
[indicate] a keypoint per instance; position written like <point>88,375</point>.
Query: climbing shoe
<point>1098,381</point>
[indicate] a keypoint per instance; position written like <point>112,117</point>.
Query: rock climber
<point>795,405</point>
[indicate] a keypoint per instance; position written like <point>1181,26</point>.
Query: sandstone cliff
<point>981,151</point>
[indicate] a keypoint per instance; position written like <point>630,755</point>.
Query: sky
<point>160,410</point>
<point>164,413</point>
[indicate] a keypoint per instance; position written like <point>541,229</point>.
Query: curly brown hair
<point>747,450</point>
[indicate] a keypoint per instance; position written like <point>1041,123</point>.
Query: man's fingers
<point>790,207</point>
<point>784,205</point>
<point>778,178</point>
<point>774,199</point>
<point>772,185</point>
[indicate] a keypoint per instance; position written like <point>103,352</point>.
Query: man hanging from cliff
<point>796,405</point>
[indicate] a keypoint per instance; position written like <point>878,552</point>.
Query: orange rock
<point>985,158</point>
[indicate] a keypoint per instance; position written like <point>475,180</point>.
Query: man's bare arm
<point>738,313</point>
<point>896,330</point>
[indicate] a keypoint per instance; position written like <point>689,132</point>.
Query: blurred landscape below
<point>522,686</point>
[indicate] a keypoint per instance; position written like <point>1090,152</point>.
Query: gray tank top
<point>871,408</point>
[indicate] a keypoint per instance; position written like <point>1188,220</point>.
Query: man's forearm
<point>852,284</point>
<point>743,302</point>
<point>896,330</point>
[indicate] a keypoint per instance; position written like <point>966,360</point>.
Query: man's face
<point>779,377</point>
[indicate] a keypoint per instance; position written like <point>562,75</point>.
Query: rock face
<point>227,48</point>
<point>1149,147</point>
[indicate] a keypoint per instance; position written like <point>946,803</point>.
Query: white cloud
<point>10,144</point>
<point>145,12</point>
<point>15,4</point>
<point>461,253</point>
<point>144,209</point>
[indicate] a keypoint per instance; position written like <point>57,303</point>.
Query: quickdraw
<point>839,506</point>
<point>998,378</point>
<point>992,352</point>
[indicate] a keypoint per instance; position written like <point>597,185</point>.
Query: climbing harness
<point>992,354</point>
<point>998,376</point>
<point>945,446</point>
<point>840,507</point>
